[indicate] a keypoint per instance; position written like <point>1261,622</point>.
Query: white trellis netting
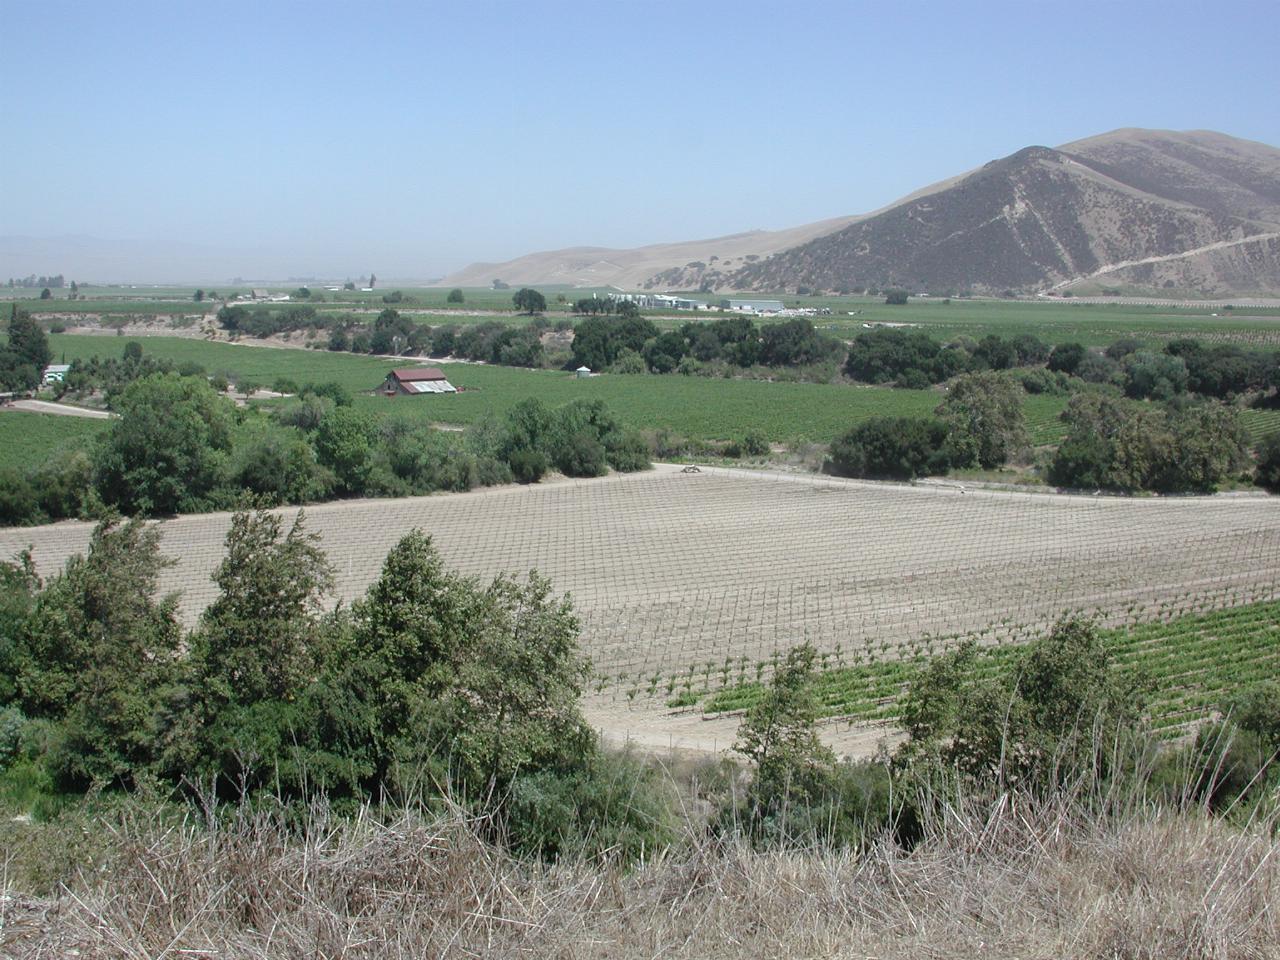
<point>673,571</point>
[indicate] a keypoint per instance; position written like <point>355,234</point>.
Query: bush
<point>1055,715</point>
<point>890,448</point>
<point>612,806</point>
<point>455,296</point>
<point>629,362</point>
<point>1268,471</point>
<point>527,465</point>
<point>895,297</point>
<point>755,444</point>
<point>1066,357</point>
<point>627,451</point>
<point>344,442</point>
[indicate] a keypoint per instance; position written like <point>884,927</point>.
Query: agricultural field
<point>1193,662</point>
<point>28,439</point>
<point>1055,321</point>
<point>142,300</point>
<point>694,407</point>
<point>1093,324</point>
<point>689,583</point>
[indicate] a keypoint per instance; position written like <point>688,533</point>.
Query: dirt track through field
<point>672,572</point>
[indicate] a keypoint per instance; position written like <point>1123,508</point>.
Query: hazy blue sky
<point>274,139</point>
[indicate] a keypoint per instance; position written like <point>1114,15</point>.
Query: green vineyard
<point>1193,663</point>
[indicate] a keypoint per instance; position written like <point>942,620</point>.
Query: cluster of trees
<point>980,423</point>
<point>605,306</point>
<point>1172,448</point>
<point>25,354</point>
<point>56,282</point>
<point>913,359</point>
<point>634,344</point>
<point>431,686</point>
<point>178,446</point>
<point>491,342</point>
<point>268,322</point>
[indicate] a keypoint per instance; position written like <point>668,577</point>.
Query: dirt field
<point>672,572</point>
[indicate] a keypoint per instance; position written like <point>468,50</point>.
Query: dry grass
<point>1014,879</point>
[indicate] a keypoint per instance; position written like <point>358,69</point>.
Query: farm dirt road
<point>57,409</point>
<point>672,574</point>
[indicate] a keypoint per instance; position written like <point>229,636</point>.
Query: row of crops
<point>1193,662</point>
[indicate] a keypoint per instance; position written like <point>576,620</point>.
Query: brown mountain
<point>1191,211</point>
<point>1196,212</point>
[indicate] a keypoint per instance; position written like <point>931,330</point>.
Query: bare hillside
<point>1197,212</point>
<point>629,269</point>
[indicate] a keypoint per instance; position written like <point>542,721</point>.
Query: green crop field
<point>1193,662</point>
<point>1055,321</point>
<point>1261,423</point>
<point>1092,324</point>
<point>695,407</point>
<point>29,439</point>
<point>261,363</point>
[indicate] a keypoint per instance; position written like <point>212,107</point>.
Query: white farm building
<point>752,306</point>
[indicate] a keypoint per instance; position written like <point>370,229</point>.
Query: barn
<point>416,380</point>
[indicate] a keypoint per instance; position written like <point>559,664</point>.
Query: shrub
<point>755,444</point>
<point>1054,716</point>
<point>1268,471</point>
<point>527,465</point>
<point>613,805</point>
<point>627,451</point>
<point>1066,357</point>
<point>581,454</point>
<point>344,443</point>
<point>890,448</point>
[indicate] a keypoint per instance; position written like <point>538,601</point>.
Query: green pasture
<point>30,439</point>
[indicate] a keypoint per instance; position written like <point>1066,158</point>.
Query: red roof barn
<point>416,380</point>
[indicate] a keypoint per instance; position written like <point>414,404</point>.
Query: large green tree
<point>528,300</point>
<point>98,654</point>
<point>168,450</point>
<point>255,655</point>
<point>24,357</point>
<point>984,418</point>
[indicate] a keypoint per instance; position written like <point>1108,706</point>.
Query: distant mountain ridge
<point>1195,212</point>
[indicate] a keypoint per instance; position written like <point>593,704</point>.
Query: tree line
<point>1112,443</point>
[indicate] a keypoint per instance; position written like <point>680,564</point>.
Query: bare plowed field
<point>673,572</point>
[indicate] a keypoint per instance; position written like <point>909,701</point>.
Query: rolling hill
<point>1195,212</point>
